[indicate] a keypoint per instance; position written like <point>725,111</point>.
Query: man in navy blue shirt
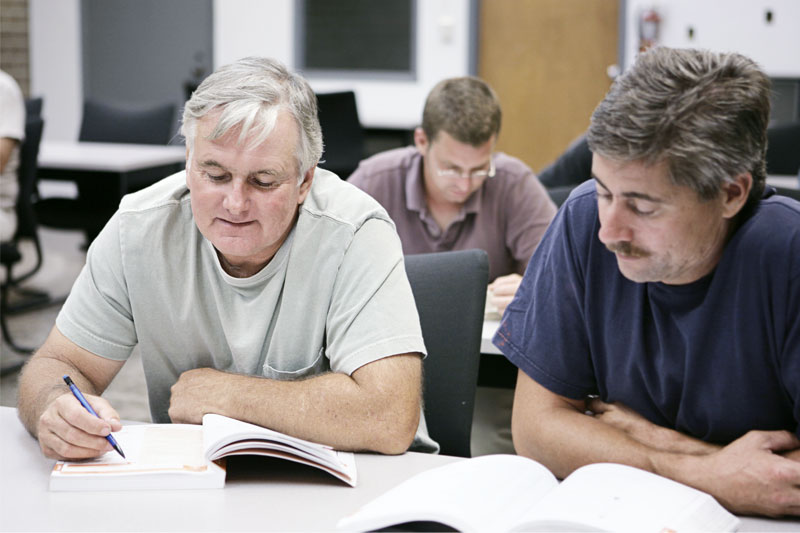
<point>658,323</point>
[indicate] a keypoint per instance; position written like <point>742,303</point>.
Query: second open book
<point>181,456</point>
<point>513,493</point>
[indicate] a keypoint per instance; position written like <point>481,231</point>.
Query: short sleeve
<point>543,331</point>
<point>97,314</point>
<point>12,118</point>
<point>372,313</point>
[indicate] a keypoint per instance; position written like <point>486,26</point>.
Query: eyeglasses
<point>475,174</point>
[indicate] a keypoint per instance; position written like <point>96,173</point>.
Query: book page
<point>224,436</point>
<point>612,497</point>
<point>486,493</point>
<point>148,448</point>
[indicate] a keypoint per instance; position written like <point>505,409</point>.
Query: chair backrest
<point>26,217</point>
<point>572,167</point>
<point>783,149</point>
<point>791,193</point>
<point>104,122</point>
<point>341,132</point>
<point>450,292</point>
<point>33,106</point>
<point>26,176</point>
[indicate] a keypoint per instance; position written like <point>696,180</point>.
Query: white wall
<point>252,27</point>
<point>726,25</point>
<point>266,27</point>
<point>55,61</point>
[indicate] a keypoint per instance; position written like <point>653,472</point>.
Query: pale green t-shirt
<point>333,298</point>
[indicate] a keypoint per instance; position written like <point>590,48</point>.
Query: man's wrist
<point>676,466</point>
<point>676,442</point>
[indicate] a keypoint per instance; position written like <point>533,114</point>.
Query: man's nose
<point>464,183</point>
<point>614,223</point>
<point>236,198</point>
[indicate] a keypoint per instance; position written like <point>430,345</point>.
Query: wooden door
<point>547,60</point>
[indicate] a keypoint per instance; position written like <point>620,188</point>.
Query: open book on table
<point>513,493</point>
<point>182,456</point>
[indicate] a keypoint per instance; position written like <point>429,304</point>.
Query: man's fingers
<point>55,447</point>
<point>501,302</point>
<point>64,430</point>
<point>108,417</point>
<point>506,285</point>
<point>107,413</point>
<point>779,441</point>
<point>74,414</point>
<point>597,406</point>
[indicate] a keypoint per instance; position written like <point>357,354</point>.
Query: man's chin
<point>232,247</point>
<point>458,198</point>
<point>633,274</point>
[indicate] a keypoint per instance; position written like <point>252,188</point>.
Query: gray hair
<point>466,108</point>
<point>703,113</point>
<point>250,93</point>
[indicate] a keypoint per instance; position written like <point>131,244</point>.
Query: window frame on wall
<point>348,71</point>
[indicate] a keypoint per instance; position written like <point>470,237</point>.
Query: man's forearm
<point>748,476</point>
<point>647,433</point>
<point>565,439</point>
<point>332,408</point>
<point>40,383</point>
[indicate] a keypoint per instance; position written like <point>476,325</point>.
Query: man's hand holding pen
<point>66,430</point>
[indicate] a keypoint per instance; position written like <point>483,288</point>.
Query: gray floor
<point>63,260</point>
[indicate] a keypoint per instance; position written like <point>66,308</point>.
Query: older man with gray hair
<point>256,286</point>
<point>664,299</point>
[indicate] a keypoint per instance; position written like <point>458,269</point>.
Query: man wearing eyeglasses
<point>451,191</point>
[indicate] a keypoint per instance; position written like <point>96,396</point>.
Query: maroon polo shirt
<point>507,216</point>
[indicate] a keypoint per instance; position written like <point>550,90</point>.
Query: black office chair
<point>791,193</point>
<point>108,123</point>
<point>783,149</point>
<point>450,292</point>
<point>10,253</point>
<point>572,168</point>
<point>341,132</point>
<point>33,107</point>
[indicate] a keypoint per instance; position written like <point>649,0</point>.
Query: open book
<point>182,456</point>
<point>513,493</point>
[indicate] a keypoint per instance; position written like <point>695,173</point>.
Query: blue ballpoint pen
<point>77,393</point>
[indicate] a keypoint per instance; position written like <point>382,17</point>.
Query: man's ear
<point>188,155</point>
<point>308,178</point>
<point>735,194</point>
<point>421,140</point>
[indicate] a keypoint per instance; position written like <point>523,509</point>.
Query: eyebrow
<point>263,172</point>
<point>638,195</point>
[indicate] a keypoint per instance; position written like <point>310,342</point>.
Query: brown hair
<point>466,108</point>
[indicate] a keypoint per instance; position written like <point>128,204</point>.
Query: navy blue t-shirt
<point>713,359</point>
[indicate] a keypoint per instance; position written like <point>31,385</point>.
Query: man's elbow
<point>524,440</point>
<point>396,434</point>
<point>530,438</point>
